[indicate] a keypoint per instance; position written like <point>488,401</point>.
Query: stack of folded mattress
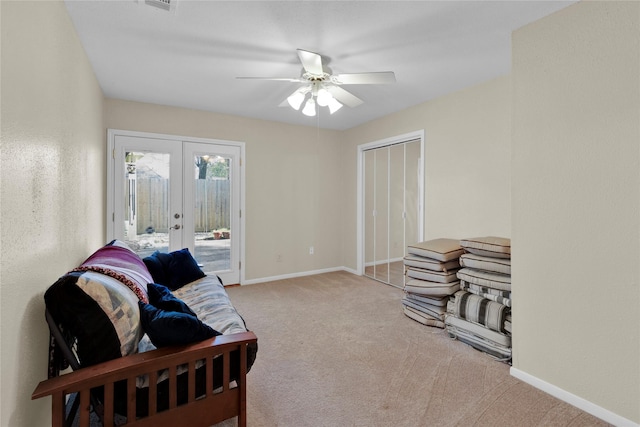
<point>430,270</point>
<point>479,314</point>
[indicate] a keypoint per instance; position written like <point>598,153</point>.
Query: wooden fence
<point>212,205</point>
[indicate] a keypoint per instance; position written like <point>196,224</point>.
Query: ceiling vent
<point>162,4</point>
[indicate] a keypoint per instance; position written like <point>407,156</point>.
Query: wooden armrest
<point>140,364</point>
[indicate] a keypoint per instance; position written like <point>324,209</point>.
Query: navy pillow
<point>183,269</point>
<point>167,328</point>
<point>161,297</point>
<point>158,263</point>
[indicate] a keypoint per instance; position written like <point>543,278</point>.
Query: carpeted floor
<point>336,350</point>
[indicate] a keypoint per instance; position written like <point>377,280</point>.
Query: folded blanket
<point>422,318</point>
<point>491,264</point>
<point>431,310</point>
<point>485,278</point>
<point>432,276</point>
<point>502,297</point>
<point>432,289</point>
<point>122,264</point>
<point>480,310</point>
<point>430,263</point>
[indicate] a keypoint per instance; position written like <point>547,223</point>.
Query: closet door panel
<point>381,231</point>
<point>396,213</point>
<point>369,218</point>
<point>412,187</point>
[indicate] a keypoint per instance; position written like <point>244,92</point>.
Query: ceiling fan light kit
<point>309,108</point>
<point>323,89</point>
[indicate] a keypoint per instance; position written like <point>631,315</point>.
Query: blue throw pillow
<point>167,328</point>
<point>158,264</point>
<point>183,269</point>
<point>161,297</point>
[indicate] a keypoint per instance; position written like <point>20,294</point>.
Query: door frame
<point>399,139</point>
<point>111,136</point>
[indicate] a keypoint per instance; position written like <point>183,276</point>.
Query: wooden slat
<point>58,410</point>
<point>242,386</point>
<point>85,408</point>
<point>226,377</point>
<point>209,375</point>
<point>108,405</point>
<point>153,393</point>
<point>131,398</point>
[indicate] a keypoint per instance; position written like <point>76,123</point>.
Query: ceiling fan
<point>322,88</point>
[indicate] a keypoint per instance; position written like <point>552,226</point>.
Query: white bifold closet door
<point>391,208</point>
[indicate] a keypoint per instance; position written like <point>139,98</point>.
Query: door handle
<point>175,227</point>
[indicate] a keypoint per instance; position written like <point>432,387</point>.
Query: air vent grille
<point>162,4</point>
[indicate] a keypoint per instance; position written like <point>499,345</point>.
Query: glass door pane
<point>212,211</point>
<point>212,208</point>
<point>148,205</point>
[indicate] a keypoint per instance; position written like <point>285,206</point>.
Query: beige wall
<point>576,203</point>
<point>51,188</point>
<point>467,162</point>
<point>293,187</point>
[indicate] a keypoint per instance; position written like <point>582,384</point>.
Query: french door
<point>168,193</point>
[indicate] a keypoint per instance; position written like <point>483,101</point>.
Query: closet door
<point>397,196</point>
<point>391,207</point>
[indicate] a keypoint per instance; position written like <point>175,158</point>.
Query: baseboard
<point>294,275</point>
<point>572,399</point>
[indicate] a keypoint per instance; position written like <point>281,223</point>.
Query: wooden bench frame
<point>202,411</point>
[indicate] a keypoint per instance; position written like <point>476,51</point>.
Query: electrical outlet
<point>310,250</point>
<point>278,257</point>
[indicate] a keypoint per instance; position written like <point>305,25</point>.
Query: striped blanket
<point>474,308</point>
<point>502,297</point>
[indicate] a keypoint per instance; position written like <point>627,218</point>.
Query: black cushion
<point>157,263</point>
<point>166,328</point>
<point>161,297</point>
<point>174,269</point>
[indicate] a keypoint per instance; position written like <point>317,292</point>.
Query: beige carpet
<point>336,350</point>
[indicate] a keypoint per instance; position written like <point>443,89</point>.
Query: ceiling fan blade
<point>344,97</point>
<point>312,62</point>
<point>280,79</point>
<point>376,78</point>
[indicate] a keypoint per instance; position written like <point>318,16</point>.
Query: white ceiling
<point>190,57</point>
